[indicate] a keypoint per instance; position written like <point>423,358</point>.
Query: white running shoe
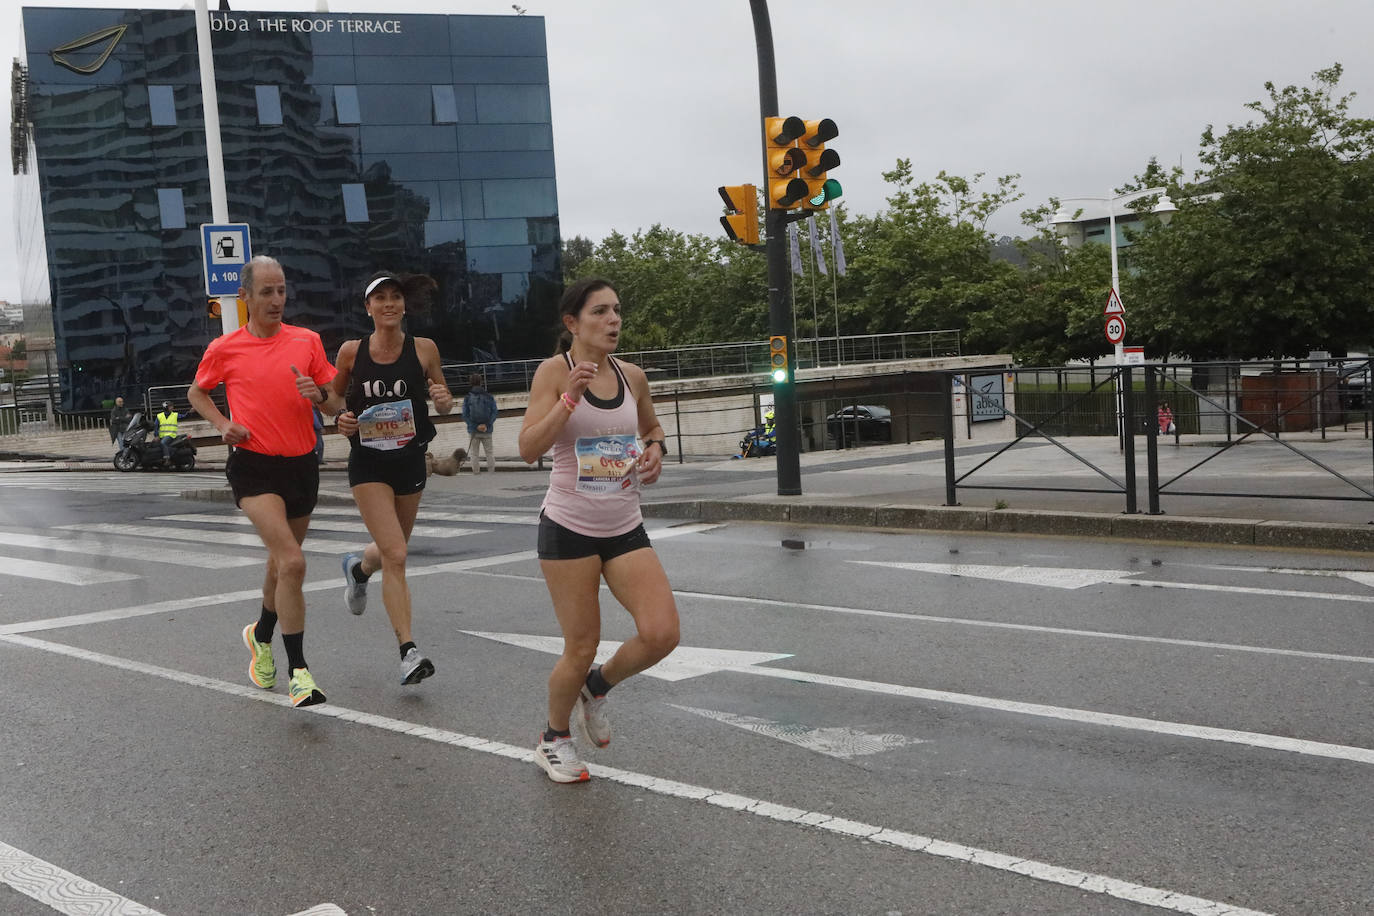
<point>593,712</point>
<point>415,667</point>
<point>355,592</point>
<point>559,759</point>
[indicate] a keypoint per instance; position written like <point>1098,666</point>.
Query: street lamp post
<point>1164,209</point>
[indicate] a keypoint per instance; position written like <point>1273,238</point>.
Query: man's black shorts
<point>559,543</point>
<point>296,480</point>
<point>403,472</point>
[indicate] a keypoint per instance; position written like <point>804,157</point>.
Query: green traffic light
<point>779,375</point>
<point>830,190</point>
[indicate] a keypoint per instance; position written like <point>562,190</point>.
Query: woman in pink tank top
<point>596,414</point>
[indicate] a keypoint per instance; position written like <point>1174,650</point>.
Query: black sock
<point>550,734</point>
<point>295,650</point>
<point>267,625</point>
<point>406,647</point>
<point>358,575</point>
<point>597,684</point>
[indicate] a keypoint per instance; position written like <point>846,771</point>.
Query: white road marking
<point>1027,627</point>
<point>685,662</point>
<point>205,601</point>
<point>60,890</point>
<point>323,909</point>
<point>199,536</point>
<point>844,743</point>
<point>1085,716</point>
<point>527,517</point>
<point>1056,577</point>
<point>1030,868</point>
<point>107,548</point>
<point>60,572</point>
<point>419,531</point>
<point>1050,576</point>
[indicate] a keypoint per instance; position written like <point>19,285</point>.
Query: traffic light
<point>786,159</point>
<point>742,225</point>
<point>212,308</point>
<point>777,358</point>
<point>819,189</point>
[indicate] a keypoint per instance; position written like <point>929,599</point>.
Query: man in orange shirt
<point>273,374</point>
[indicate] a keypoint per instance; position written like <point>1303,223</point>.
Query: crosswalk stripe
<point>530,517</point>
<point>92,546</point>
<point>60,572</point>
<point>422,531</point>
<point>227,538</point>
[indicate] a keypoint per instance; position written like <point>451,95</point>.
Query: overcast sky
<point>655,104</point>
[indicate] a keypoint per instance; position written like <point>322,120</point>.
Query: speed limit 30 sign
<point>1116,329</point>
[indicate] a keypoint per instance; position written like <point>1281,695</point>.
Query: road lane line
<point>198,536</point>
<point>324,524</point>
<point>60,890</point>
<point>1085,716</point>
<point>843,827</point>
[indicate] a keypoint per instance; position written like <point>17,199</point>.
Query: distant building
<point>352,142</point>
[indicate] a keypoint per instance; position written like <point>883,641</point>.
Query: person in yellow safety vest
<point>167,430</point>
<point>768,422</point>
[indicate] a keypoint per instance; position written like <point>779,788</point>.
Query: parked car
<point>859,423</point>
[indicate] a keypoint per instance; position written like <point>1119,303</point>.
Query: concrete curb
<point>1236,532</point>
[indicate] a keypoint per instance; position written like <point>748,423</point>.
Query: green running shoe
<point>262,670</point>
<point>303,689</point>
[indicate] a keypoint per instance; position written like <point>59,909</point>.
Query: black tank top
<point>373,383</point>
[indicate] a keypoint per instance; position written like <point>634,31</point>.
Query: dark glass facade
<point>352,143</point>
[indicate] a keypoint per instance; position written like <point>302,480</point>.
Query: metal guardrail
<point>1235,401</point>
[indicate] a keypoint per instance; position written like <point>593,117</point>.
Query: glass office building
<point>352,143</point>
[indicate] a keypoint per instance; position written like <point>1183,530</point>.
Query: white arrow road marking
<point>1086,716</point>
<point>844,743</point>
<point>1040,871</point>
<point>1079,578</point>
<point>59,889</point>
<point>695,662</point>
<point>685,661</point>
<point>1050,576</point>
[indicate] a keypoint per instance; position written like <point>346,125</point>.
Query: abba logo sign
<point>224,22</point>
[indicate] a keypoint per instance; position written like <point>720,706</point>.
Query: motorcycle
<point>759,442</point>
<point>136,450</point>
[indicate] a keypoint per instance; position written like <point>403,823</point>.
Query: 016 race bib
<point>606,464</point>
<point>387,427</point>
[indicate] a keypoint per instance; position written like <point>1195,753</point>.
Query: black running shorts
<point>296,480</point>
<point>559,543</point>
<point>404,472</point>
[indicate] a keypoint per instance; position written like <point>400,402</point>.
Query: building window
<point>346,104</point>
<point>162,104</point>
<point>445,105</point>
<point>172,207</point>
<point>269,104</point>
<point>355,203</point>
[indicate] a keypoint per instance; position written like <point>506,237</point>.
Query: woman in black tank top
<point>385,378</point>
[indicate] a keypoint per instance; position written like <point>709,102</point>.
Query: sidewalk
<point>903,487</point>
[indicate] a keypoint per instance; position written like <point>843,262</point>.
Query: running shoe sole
<point>420,672</point>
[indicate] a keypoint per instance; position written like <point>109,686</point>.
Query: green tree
<point>1268,254</point>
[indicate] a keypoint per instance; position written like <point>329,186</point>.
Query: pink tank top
<point>594,488</point>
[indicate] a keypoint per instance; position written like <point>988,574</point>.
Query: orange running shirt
<point>261,388</point>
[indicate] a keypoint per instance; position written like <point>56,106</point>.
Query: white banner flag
<point>795,247</point>
<point>836,244</point>
<point>816,246</point>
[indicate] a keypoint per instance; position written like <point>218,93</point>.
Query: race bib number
<point>606,464</point>
<point>387,427</point>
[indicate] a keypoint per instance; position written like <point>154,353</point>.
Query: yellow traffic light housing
<point>819,190</point>
<point>777,358</point>
<point>786,159</point>
<point>742,223</point>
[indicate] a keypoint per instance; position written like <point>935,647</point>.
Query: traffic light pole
<point>785,416</point>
